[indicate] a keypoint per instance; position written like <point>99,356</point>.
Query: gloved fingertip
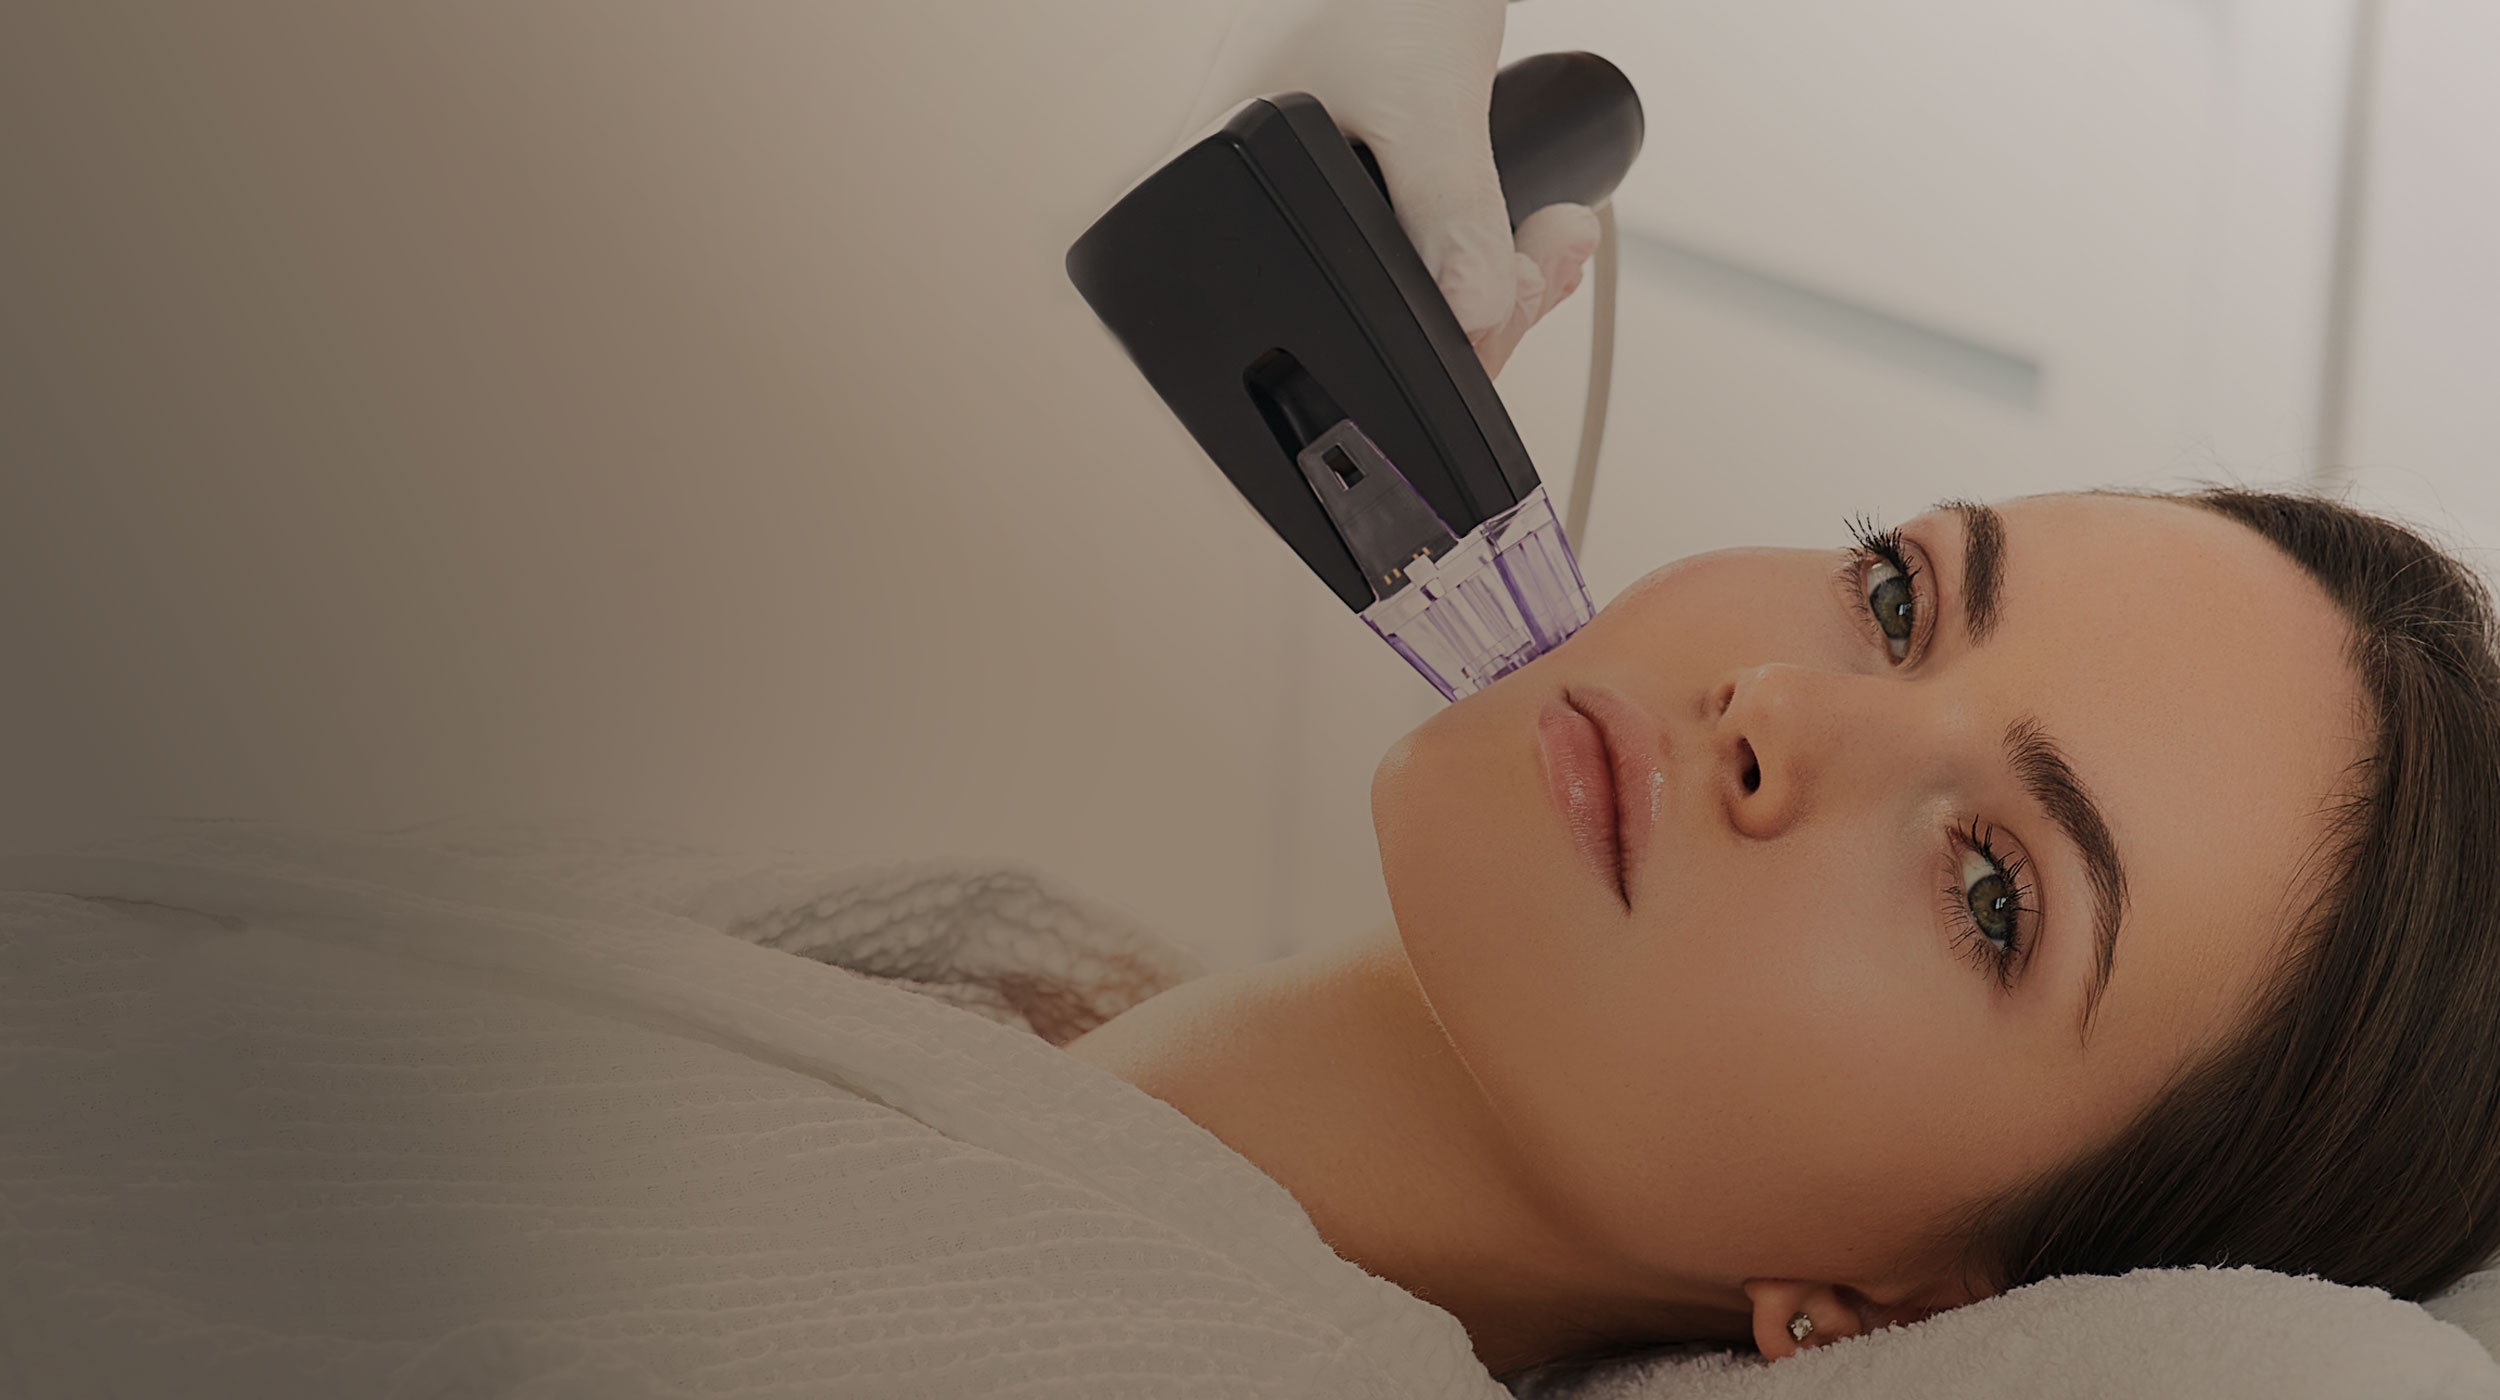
<point>1563,274</point>
<point>1478,297</point>
<point>1561,231</point>
<point>1456,222</point>
<point>1584,231</point>
<point>1527,279</point>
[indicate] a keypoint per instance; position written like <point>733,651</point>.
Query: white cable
<point>1601,381</point>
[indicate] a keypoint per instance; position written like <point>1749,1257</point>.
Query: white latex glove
<point>1413,79</point>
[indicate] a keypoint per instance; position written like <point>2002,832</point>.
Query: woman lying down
<point>1813,945</point>
<point>2089,883</point>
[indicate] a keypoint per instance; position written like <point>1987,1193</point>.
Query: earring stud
<point>1800,1327</point>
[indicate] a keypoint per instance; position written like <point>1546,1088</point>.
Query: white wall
<point>622,413</point>
<point>2422,429</point>
<point>633,414</point>
<point>1877,255</point>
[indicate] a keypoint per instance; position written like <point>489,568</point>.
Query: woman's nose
<point>1779,732</point>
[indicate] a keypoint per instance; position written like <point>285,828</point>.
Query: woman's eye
<point>1881,573</point>
<point>1894,603</point>
<point>1989,897</point>
<point>1993,926</point>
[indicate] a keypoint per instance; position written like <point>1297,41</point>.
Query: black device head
<point>1261,283</point>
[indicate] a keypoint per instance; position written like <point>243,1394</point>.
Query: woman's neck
<point>1329,1073</point>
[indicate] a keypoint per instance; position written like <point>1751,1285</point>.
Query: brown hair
<point>2352,1130</point>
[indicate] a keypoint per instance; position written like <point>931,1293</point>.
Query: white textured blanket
<point>446,1114</point>
<point>388,1126</point>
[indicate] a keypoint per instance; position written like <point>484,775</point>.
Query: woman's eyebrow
<point>1983,565</point>
<point>2050,780</point>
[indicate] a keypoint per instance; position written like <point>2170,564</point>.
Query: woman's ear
<point>1840,1311</point>
<point>1779,1303</point>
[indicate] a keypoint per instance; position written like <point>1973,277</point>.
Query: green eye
<point>1894,603</point>
<point>1988,893</point>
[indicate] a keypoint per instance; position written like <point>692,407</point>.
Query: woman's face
<point>1828,933</point>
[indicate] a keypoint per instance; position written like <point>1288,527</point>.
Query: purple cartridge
<point>1463,610</point>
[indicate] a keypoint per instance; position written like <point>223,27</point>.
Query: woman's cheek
<point>1479,877</point>
<point>1817,981</point>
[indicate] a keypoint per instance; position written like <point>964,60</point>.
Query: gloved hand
<point>1413,79</point>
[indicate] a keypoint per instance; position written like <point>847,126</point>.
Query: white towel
<point>2155,1333</point>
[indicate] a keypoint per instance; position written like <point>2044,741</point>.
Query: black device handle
<point>1263,285</point>
<point>1566,128</point>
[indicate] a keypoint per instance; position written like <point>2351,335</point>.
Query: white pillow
<point>2223,1333</point>
<point>2474,1305</point>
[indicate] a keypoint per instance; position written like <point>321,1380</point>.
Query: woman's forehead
<point>2166,583</point>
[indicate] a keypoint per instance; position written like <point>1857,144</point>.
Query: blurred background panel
<point>632,416</point>
<point>2418,429</point>
<point>1880,254</point>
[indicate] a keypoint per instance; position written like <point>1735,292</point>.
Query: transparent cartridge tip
<point>1465,610</point>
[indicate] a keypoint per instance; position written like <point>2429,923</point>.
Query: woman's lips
<point>1581,781</point>
<point>1601,769</point>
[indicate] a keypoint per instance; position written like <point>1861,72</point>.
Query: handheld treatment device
<point>1261,283</point>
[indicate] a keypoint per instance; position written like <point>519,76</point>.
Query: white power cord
<point>1601,380</point>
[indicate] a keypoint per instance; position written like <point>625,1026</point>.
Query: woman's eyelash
<point>1881,544</point>
<point>1999,896</point>
<point>1889,600</point>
